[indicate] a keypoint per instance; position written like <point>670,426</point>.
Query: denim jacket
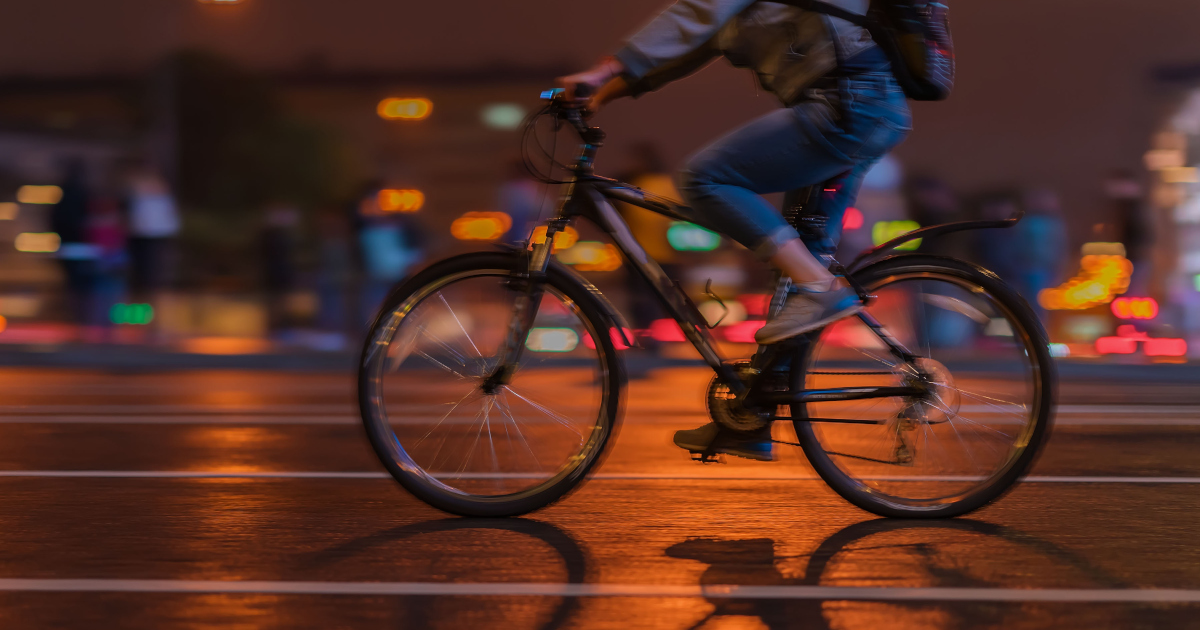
<point>788,48</point>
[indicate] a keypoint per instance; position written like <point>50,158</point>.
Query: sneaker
<point>807,311</point>
<point>711,437</point>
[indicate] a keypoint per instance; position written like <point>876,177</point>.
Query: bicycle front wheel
<point>474,449</point>
<point>984,362</point>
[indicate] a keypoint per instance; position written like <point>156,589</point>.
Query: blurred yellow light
<point>1181,175</point>
<point>405,108</point>
<point>1159,159</point>
<point>220,1</point>
<point>563,239</point>
<point>401,200</point>
<point>3,323</point>
<point>8,211</point>
<point>885,231</point>
<point>480,226</point>
<point>39,194</point>
<point>38,242</point>
<point>592,256</point>
<point>1101,278</point>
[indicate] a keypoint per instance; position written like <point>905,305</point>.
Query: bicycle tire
<point>416,481</point>
<point>875,277</point>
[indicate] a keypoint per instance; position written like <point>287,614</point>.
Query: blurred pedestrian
<point>76,256</point>
<point>1133,226</point>
<point>277,247</point>
<point>1040,246</point>
<point>524,199</point>
<point>931,201</point>
<point>996,250</point>
<point>335,271</point>
<point>648,170</point>
<point>154,223</point>
<point>107,234</point>
<point>389,245</point>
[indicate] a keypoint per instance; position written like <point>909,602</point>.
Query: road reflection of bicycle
<point>890,553</point>
<point>474,550</point>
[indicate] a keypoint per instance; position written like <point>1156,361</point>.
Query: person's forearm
<point>676,42</point>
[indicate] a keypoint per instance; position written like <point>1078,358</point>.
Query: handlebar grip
<point>583,90</point>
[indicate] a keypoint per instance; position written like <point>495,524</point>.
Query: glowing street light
<point>592,256</point>
<point>47,195</point>
<point>563,239</point>
<point>503,115</point>
<point>405,108</point>
<point>481,226</point>
<point>401,200</point>
<point>38,242</point>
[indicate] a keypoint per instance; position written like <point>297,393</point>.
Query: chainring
<point>726,410</point>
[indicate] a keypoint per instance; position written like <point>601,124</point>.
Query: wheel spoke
<point>553,415</point>
<point>478,446</point>
<point>460,324</point>
<point>950,456</point>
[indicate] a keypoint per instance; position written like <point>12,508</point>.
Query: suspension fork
<point>530,286</point>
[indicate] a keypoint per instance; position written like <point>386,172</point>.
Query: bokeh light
<point>480,226</point>
<point>392,200</point>
<point>405,108</point>
<point>39,194</point>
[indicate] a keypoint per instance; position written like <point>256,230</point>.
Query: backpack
<point>915,35</point>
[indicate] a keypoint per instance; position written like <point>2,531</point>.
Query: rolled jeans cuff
<point>771,244</point>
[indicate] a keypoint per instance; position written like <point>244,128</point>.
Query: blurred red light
<point>618,341</point>
<point>1134,308</point>
<point>1116,345</point>
<point>666,330</point>
<point>853,219</point>
<point>1165,347</point>
<point>743,332</point>
<point>756,304</point>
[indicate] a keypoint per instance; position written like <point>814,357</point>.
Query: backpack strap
<point>831,10</point>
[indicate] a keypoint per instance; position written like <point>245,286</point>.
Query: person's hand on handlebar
<point>601,83</point>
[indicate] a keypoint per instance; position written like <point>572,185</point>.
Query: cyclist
<point>842,111</point>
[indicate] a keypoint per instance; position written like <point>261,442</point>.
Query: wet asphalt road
<point>252,500</point>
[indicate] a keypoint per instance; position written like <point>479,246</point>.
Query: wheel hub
<point>942,399</point>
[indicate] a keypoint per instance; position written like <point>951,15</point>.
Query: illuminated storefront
<point>1174,197</point>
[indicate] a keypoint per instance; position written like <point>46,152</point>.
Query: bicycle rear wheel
<point>984,360</point>
<point>469,448</point>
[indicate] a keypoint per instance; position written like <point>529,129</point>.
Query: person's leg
<point>836,135</point>
<point>724,182</point>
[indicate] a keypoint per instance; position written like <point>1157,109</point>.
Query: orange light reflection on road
<point>226,345</point>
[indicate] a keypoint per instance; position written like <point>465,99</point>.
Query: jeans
<point>833,135</point>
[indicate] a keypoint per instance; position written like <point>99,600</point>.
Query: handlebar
<point>573,111</point>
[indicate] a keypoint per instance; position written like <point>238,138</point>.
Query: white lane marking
<point>535,589</point>
<point>205,474</point>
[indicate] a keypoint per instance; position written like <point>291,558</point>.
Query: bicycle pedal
<point>707,458</point>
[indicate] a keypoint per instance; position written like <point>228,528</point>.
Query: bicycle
<point>490,383</point>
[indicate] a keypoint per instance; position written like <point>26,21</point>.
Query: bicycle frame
<point>588,195</point>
